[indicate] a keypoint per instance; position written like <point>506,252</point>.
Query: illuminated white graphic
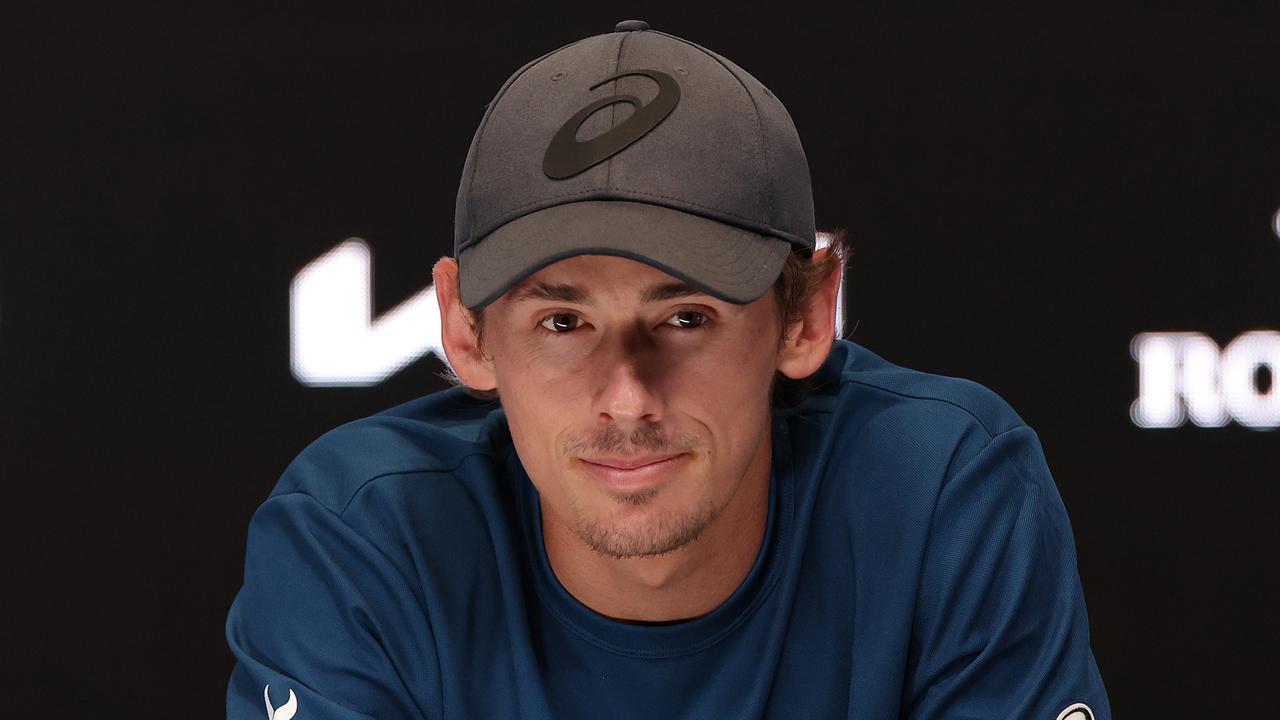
<point>334,340</point>
<point>1078,711</point>
<point>285,711</point>
<point>1183,375</point>
<point>822,240</point>
<point>1275,223</point>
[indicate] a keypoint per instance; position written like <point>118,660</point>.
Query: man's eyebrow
<point>669,291</point>
<point>543,291</point>
<point>564,292</point>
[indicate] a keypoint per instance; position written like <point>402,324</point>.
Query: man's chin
<point>634,533</point>
<point>636,498</point>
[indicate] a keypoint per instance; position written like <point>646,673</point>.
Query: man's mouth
<point>637,472</point>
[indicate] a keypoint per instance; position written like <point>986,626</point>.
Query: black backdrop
<point>1027,188</point>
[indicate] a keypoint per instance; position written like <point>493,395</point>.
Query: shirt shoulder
<point>873,434</point>
<point>864,381</point>
<point>435,433</point>
<point>874,404</point>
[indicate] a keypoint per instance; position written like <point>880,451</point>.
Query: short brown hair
<point>800,278</point>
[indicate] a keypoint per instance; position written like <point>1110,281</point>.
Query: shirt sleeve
<point>1000,629</point>
<point>319,622</point>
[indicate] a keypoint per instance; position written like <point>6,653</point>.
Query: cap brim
<point>727,262</point>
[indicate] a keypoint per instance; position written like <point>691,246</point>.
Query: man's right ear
<point>461,346</point>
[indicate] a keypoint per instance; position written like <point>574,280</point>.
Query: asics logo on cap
<point>567,157</point>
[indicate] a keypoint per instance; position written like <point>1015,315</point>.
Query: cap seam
<point>613,108</point>
<point>762,197</point>
<point>488,113</point>
<point>761,172</point>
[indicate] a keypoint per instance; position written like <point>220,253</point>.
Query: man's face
<point>599,369</point>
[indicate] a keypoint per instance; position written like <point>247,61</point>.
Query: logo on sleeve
<point>1078,711</point>
<point>286,711</point>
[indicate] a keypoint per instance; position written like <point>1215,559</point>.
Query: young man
<point>685,498</point>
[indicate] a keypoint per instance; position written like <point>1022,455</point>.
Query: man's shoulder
<point>865,384</point>
<point>434,433</point>
<point>877,427</point>
<point>885,440</point>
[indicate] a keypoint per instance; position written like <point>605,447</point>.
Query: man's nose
<point>629,389</point>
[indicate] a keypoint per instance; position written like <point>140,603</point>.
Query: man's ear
<point>808,341</point>
<point>461,346</point>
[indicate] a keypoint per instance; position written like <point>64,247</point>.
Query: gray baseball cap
<point>637,144</point>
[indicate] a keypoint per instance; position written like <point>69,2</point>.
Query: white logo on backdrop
<point>334,340</point>
<point>1185,375</point>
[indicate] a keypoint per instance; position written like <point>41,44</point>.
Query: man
<point>685,498</point>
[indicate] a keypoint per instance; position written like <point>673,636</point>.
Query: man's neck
<point>686,583</point>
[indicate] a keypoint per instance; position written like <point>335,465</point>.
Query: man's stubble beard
<point>656,536</point>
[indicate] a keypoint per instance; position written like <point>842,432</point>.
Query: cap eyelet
<point>558,76</point>
<point>682,72</point>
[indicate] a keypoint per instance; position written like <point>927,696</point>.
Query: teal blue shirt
<point>917,563</point>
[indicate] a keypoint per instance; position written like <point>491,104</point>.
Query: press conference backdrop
<point>219,226</point>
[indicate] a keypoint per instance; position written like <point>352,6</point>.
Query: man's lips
<point>641,471</point>
<point>629,462</point>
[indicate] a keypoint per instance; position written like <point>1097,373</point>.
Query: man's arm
<point>1000,627</point>
<point>321,617</point>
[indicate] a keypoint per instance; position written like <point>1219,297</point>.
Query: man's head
<point>634,228</point>
<point>607,359</point>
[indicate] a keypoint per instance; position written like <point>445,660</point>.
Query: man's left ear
<point>808,341</point>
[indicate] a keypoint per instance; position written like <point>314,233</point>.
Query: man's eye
<point>561,323</point>
<point>566,323</point>
<point>692,319</point>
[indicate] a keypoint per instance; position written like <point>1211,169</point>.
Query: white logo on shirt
<point>1078,711</point>
<point>286,711</point>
